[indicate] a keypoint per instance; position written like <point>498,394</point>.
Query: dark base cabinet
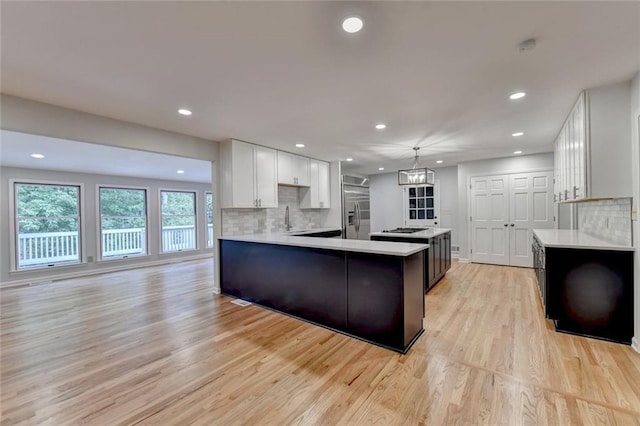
<point>438,258</point>
<point>587,292</point>
<point>376,298</point>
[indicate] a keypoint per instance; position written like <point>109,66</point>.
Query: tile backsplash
<point>609,220</point>
<point>258,221</point>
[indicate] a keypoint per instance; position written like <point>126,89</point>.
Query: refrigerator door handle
<point>356,222</point>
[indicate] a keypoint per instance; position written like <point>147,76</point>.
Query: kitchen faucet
<point>287,222</point>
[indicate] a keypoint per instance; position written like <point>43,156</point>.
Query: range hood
<point>416,175</point>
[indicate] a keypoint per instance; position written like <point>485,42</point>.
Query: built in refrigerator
<point>356,223</point>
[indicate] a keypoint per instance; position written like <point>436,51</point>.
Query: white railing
<point>210,235</point>
<point>122,242</point>
<point>47,247</point>
<point>175,238</point>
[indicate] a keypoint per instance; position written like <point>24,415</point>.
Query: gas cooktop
<point>404,230</point>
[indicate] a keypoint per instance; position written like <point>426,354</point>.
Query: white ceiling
<point>278,73</point>
<point>64,155</point>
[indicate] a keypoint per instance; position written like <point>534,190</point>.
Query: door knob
<point>506,224</point>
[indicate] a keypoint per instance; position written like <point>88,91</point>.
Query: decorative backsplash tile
<point>258,221</point>
<point>609,220</point>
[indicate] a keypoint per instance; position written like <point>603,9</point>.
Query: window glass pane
<point>209,213</point>
<point>412,192</point>
<point>430,202</point>
<point>412,214</point>
<point>178,211</point>
<point>123,222</point>
<point>48,224</point>
<point>421,203</point>
<point>420,214</point>
<point>429,191</point>
<point>421,191</point>
<point>412,203</point>
<point>429,214</point>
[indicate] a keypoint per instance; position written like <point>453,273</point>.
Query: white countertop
<point>570,238</point>
<point>363,246</point>
<point>427,233</point>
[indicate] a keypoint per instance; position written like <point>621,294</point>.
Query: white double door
<point>504,211</point>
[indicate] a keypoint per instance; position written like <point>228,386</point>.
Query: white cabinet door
<point>324,185</point>
<point>489,220</point>
<point>293,169</point>
<point>242,176</point>
<point>265,162</point>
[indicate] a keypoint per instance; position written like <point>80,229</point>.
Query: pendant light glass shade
<point>416,175</point>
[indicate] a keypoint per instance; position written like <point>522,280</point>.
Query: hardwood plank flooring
<point>154,346</point>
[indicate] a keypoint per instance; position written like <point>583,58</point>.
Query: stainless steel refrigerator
<point>356,223</point>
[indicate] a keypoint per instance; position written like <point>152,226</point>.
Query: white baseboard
<point>635,344</point>
<point>455,255</point>
<point>463,260</point>
<point>216,290</point>
<point>76,274</point>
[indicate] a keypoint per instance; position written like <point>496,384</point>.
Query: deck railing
<point>55,247</point>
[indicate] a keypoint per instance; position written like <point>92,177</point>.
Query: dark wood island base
<point>377,298</point>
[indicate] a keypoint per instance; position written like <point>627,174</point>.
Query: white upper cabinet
<point>248,175</point>
<point>293,169</point>
<point>593,148</point>
<point>318,195</point>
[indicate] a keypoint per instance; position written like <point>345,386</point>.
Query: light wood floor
<point>155,346</point>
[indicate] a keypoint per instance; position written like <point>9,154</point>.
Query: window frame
<point>195,217</point>
<point>206,220</point>
<point>99,254</point>
<point>436,207</point>
<point>13,228</point>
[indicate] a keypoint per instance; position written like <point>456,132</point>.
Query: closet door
<point>490,219</point>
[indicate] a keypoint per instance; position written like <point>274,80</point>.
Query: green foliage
<point>178,208</point>
<point>47,208</point>
<point>122,208</point>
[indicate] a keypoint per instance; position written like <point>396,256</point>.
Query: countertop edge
<point>566,238</point>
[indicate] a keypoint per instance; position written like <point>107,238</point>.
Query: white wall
<point>516,164</point>
<point>386,201</point>
<point>635,144</point>
<point>90,219</point>
<point>22,115</point>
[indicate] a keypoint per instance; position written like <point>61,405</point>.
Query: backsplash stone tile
<point>609,220</point>
<point>258,221</point>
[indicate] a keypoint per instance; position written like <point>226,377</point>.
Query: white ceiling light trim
<point>517,152</point>
<point>38,156</point>
<point>517,95</point>
<point>185,112</point>
<point>349,159</point>
<point>352,24</point>
<point>381,126</point>
<point>517,134</point>
<point>381,168</point>
<point>439,162</point>
<point>180,172</point>
<point>299,145</point>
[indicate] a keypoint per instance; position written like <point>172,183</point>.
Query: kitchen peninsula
<point>371,290</point>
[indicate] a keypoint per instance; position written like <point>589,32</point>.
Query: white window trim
<point>13,228</point>
<point>99,257</point>
<point>206,222</point>
<point>436,207</point>
<point>195,214</point>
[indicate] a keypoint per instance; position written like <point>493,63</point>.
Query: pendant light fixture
<point>416,175</point>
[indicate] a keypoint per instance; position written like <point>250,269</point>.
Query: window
<point>123,222</point>
<point>421,205</point>
<point>178,210</point>
<point>47,224</point>
<point>209,213</point>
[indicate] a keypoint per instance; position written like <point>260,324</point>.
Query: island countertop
<point>362,246</point>
<point>426,233</point>
<point>571,238</point>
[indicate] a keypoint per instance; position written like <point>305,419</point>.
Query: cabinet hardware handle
<point>259,202</point>
<point>506,224</point>
<point>566,194</point>
<point>575,192</point>
<point>513,224</point>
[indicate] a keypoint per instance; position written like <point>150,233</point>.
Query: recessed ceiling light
<point>517,152</point>
<point>183,111</point>
<point>299,145</point>
<point>349,159</point>
<point>517,95</point>
<point>439,161</point>
<point>381,126</point>
<point>352,24</point>
<point>380,168</point>
<point>517,134</point>
<point>37,155</point>
<point>180,172</point>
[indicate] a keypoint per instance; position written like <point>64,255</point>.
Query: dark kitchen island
<point>365,289</point>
